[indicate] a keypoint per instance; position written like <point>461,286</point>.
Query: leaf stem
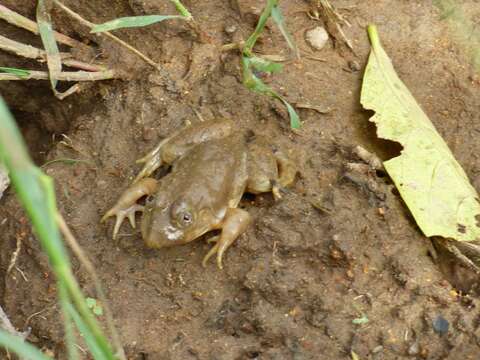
<point>373,36</point>
<point>182,9</point>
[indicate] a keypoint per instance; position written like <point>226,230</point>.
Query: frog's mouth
<point>157,234</point>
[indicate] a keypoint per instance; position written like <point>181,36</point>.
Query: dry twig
<point>21,21</point>
<point>63,76</point>
<point>6,325</point>
<point>32,52</point>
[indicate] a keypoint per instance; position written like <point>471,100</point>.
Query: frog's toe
<point>212,252</point>
<point>121,214</point>
<point>278,190</point>
<point>213,239</point>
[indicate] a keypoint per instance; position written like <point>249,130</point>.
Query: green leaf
<point>132,21</point>
<point>280,21</point>
<point>431,182</point>
<point>294,118</point>
<point>264,65</point>
<point>45,29</point>
<point>14,71</point>
<point>23,349</point>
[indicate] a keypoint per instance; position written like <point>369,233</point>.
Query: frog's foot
<point>127,206</point>
<point>152,161</point>
<point>121,214</point>
<point>286,169</point>
<point>235,223</point>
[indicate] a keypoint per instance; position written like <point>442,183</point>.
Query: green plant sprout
<point>250,62</point>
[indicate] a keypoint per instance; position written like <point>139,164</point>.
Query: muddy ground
<point>334,250</point>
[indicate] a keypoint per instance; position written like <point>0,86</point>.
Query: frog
<point>212,164</point>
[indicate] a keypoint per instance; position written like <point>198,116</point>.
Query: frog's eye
<point>185,218</point>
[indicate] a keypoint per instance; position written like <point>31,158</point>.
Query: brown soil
<point>294,283</point>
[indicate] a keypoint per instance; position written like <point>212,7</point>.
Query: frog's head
<point>165,224</point>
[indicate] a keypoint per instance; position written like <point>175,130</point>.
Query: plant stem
<point>250,43</point>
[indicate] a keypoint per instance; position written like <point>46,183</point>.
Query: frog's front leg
<point>234,224</point>
<point>173,147</point>
<point>127,206</point>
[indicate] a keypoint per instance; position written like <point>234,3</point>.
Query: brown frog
<point>212,166</point>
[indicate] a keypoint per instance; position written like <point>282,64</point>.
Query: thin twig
<point>21,21</point>
<point>13,260</point>
<point>63,76</point>
<point>72,242</point>
<point>111,36</point>
<point>21,273</point>
<point>32,52</point>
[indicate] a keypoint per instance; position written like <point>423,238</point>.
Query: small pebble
<point>148,133</point>
<point>440,325</point>
<point>414,349</point>
<point>230,29</point>
<point>354,66</point>
<point>317,37</point>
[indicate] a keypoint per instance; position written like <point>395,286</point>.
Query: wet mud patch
<point>337,265</point>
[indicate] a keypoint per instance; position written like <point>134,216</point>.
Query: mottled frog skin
<point>213,165</point>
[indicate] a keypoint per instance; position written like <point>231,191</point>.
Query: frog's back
<point>213,174</point>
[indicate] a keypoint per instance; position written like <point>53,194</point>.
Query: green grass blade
<point>37,195</point>
<point>280,21</point>
<point>90,340</point>
<point>45,29</point>
<point>66,161</point>
<point>264,65</point>
<point>132,22</point>
<point>267,11</point>
<point>14,71</point>
<point>72,350</point>
<point>21,348</point>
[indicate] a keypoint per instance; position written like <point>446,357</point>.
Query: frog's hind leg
<point>234,224</point>
<point>270,171</point>
<point>127,206</point>
<point>176,145</point>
